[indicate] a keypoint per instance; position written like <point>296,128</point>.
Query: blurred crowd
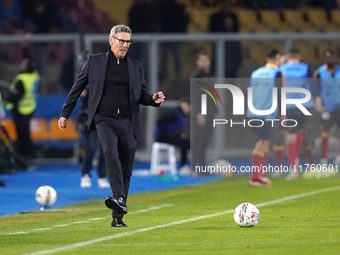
<point>52,16</point>
<point>162,16</point>
<point>19,17</point>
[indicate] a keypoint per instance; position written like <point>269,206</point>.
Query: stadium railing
<point>154,40</point>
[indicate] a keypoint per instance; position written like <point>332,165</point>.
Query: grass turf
<point>306,225</point>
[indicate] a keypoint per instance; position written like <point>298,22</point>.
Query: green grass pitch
<point>296,217</point>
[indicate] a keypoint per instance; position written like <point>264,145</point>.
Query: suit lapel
<point>132,73</point>
<point>101,69</point>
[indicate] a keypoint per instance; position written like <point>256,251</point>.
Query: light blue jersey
<point>262,82</point>
<point>329,87</point>
<point>296,75</point>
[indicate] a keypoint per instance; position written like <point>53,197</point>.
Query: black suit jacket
<point>93,74</point>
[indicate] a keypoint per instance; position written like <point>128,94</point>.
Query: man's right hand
<point>62,123</point>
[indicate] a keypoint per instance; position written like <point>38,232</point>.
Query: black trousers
<point>91,146</point>
<point>119,145</point>
<point>24,143</point>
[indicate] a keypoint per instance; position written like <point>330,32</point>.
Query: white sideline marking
<point>74,210</point>
<point>80,222</point>
<point>151,208</point>
<point>96,218</point>
<point>219,243</point>
<point>56,226</point>
<point>85,221</point>
<point>106,238</point>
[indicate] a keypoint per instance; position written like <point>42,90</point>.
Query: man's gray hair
<point>120,28</point>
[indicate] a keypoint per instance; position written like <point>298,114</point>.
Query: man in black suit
<point>116,88</point>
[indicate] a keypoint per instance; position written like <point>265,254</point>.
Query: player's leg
<point>294,141</point>
<point>259,156</point>
<point>278,147</point>
<point>258,160</point>
<point>325,134</point>
<point>300,134</point>
<point>336,118</point>
<point>291,153</point>
<point>307,147</point>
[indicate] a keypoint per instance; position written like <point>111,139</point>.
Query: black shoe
<point>118,223</point>
<point>116,204</point>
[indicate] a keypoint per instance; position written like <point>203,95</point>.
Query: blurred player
<point>201,130</point>
<point>327,101</point>
<point>22,103</point>
<point>296,74</point>
<point>92,146</point>
<point>278,148</point>
<point>262,81</point>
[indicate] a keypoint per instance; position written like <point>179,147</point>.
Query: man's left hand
<point>158,97</point>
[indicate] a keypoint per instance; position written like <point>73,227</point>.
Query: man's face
<point>278,59</point>
<point>330,59</point>
<point>117,47</point>
<point>23,64</point>
<point>203,62</point>
<point>185,106</point>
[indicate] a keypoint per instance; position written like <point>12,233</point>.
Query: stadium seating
<point>200,17</point>
<point>199,20</point>
<point>317,18</point>
<point>297,21</point>
<point>253,52</point>
<point>321,46</point>
<point>274,44</point>
<point>294,17</point>
<point>248,20</point>
<point>39,131</point>
<point>70,133</point>
<point>335,15</point>
<point>10,128</point>
<point>307,51</point>
<point>120,15</point>
<point>48,134</point>
<point>256,51</point>
<point>270,18</point>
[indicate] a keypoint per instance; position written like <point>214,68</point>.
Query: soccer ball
<point>246,215</point>
<point>46,195</point>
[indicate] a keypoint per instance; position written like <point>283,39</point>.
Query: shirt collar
<point>271,65</point>
<point>293,60</point>
<point>331,70</point>
<point>111,55</point>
